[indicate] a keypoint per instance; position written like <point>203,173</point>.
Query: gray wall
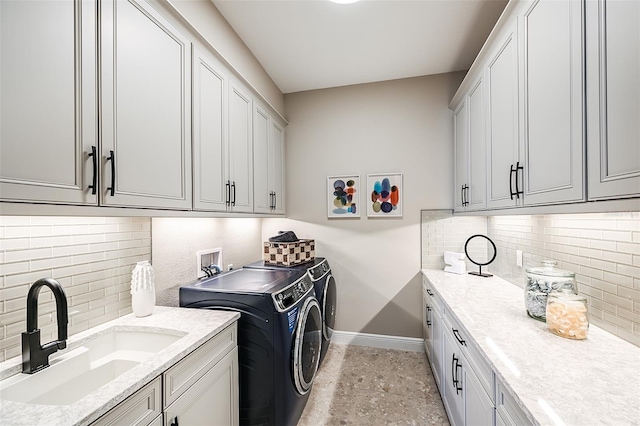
<point>394,126</point>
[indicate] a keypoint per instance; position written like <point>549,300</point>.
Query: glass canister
<point>542,280</point>
<point>567,314</point>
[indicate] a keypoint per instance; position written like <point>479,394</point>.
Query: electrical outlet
<point>519,258</point>
<point>230,267</point>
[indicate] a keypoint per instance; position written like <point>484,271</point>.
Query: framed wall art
<point>343,194</point>
<point>384,195</point>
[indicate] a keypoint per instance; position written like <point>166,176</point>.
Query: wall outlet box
<point>208,257</point>
<point>519,257</point>
<point>230,267</point>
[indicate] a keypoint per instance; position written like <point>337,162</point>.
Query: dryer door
<point>329,299</point>
<point>307,344</point>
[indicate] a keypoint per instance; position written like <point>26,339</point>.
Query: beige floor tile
<point>359,385</point>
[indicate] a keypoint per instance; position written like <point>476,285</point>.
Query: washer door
<point>306,346</point>
<point>329,307</point>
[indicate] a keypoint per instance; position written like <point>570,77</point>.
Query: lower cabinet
<point>202,388</point>
<point>465,400</point>
<point>432,331</point>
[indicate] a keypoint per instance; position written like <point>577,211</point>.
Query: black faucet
<point>35,357</point>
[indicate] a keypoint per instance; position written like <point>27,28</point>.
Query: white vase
<point>143,291</point>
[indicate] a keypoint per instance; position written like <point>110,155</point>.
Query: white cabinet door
<point>478,408</point>
<point>501,79</point>
<point>476,194</point>
<point>461,161</point>
<point>48,119</point>
<point>551,69</point>
<point>276,166</point>
<point>212,400</point>
<point>240,148</point>
<point>437,339</point>
<point>263,197</point>
<point>209,134</point>
<point>146,108</point>
<point>452,389</point>
<point>613,102</point>
<point>427,313</point>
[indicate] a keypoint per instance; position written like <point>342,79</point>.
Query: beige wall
<point>209,22</point>
<point>176,241</point>
<point>395,126</point>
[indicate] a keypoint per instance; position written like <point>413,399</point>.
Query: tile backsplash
<point>603,249</point>
<point>91,257</point>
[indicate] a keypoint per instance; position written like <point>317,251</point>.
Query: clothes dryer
<point>279,338</point>
<point>325,288</point>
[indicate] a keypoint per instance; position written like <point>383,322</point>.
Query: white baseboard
<point>412,344</point>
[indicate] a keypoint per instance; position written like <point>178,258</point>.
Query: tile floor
<point>359,385</point>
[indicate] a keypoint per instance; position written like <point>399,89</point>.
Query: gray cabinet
<point>268,161</point>
<point>145,108</point>
<point>461,152</point>
<point>503,157</point>
<point>552,143</point>
<point>48,103</point>
<point>613,98</point>
<point>432,331</point>
<point>210,140</point>
<point>240,148</point>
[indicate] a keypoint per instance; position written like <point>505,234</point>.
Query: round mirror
<point>481,251</point>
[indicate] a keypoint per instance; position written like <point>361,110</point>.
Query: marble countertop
<point>556,381</point>
<point>199,325</point>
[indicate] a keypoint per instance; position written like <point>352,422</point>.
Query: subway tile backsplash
<point>603,249</point>
<point>91,257</point>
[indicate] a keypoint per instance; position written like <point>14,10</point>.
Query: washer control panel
<point>319,270</point>
<point>291,294</point>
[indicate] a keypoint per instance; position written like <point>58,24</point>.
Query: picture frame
<point>343,196</point>
<point>384,195</point>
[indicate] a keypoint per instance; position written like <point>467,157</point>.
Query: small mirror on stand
<point>483,251</point>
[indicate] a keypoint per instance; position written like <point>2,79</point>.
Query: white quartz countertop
<point>556,381</point>
<point>199,325</point>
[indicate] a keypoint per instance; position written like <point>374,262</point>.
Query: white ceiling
<point>314,44</point>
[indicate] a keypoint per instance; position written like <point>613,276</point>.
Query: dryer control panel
<point>319,270</point>
<point>291,294</point>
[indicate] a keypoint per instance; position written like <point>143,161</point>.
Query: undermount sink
<point>80,371</point>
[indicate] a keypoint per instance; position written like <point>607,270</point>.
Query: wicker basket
<point>289,254</point>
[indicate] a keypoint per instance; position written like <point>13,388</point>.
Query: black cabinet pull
<point>462,195</point>
<point>228,186</point>
<point>466,194</point>
<point>456,333</point>
<point>94,181</point>
<point>513,170</point>
<point>271,200</point>
<point>233,200</point>
<point>429,292</point>
<point>112,158</point>
<point>457,380</point>
<point>454,379</point>
<point>428,315</point>
<point>275,199</point>
<point>174,422</point>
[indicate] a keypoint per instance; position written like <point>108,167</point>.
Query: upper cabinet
<point>146,108</point>
<point>240,148</point>
<point>613,98</point>
<point>503,157</point>
<point>552,142</point>
<point>48,103</point>
<point>461,152</point>
<point>558,81</point>
<point>268,162</point>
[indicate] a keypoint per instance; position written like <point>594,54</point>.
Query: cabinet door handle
<point>228,188</point>
<point>456,333</point>
<point>511,181</point>
<point>457,381</point>
<point>94,181</point>
<point>428,316</point>
<point>466,195</point>
<point>271,203</point>
<point>174,422</point>
<point>233,200</point>
<point>513,170</point>
<point>462,195</point>
<point>518,192</point>
<point>275,199</point>
<point>429,292</point>
<point>112,158</point>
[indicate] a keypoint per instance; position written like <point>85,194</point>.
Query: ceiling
<point>315,44</point>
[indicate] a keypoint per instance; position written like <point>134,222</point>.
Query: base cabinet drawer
<point>141,409</point>
<point>507,410</point>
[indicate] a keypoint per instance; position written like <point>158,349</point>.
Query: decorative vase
<point>143,292</point>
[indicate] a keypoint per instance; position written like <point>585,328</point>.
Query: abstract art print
<point>384,195</point>
<point>343,193</point>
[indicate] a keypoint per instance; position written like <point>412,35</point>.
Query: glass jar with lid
<point>541,280</point>
<point>567,314</point>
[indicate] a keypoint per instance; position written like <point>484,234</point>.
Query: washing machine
<point>325,288</point>
<point>279,338</point>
